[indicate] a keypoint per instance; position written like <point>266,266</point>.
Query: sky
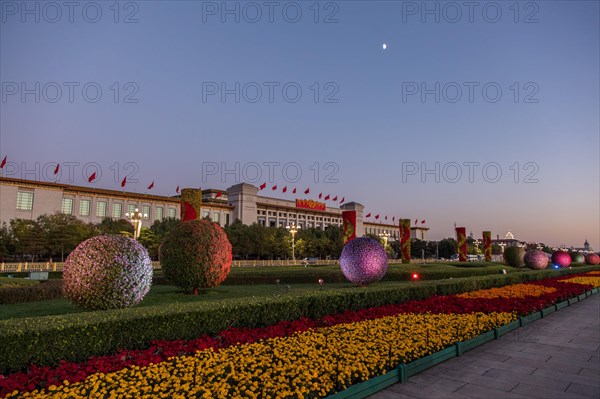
<point>483,115</point>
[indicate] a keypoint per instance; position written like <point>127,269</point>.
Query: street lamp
<point>292,228</point>
<point>385,236</point>
<point>136,218</point>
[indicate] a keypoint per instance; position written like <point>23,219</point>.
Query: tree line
<point>53,237</point>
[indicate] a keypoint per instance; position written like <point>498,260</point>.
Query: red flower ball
<point>561,258</point>
<point>592,259</point>
<point>536,259</point>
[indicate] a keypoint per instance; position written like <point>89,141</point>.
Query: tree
<point>447,247</point>
<point>111,226</point>
<point>62,233</point>
<point>28,238</point>
<point>151,241</point>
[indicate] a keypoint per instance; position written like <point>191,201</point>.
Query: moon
<point>384,46</point>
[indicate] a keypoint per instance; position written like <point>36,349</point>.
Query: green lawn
<point>164,294</point>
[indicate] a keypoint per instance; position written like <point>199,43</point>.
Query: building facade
<point>27,199</point>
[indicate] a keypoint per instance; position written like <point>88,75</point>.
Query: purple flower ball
<point>536,259</point>
<point>363,261</point>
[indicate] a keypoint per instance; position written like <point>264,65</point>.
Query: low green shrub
<point>75,337</point>
<point>16,282</point>
<point>39,291</point>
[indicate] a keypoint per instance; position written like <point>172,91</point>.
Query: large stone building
<point>29,199</point>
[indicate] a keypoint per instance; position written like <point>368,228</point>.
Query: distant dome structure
<point>509,236</point>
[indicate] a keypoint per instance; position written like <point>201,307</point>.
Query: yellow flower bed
<point>593,280</point>
<point>510,291</point>
<point>310,364</point>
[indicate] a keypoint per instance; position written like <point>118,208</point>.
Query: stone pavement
<point>554,357</point>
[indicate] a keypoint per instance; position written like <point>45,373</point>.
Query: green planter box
<point>508,327</point>
<point>367,388</point>
<point>426,362</point>
<point>479,340</point>
<point>594,290</point>
<point>573,300</point>
<point>549,310</point>
<point>582,296</point>
<point>562,304</point>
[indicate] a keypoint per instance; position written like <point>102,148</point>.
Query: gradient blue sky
<point>369,133</point>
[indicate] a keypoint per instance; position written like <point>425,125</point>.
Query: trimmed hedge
<point>6,282</point>
<point>76,337</point>
<point>39,291</point>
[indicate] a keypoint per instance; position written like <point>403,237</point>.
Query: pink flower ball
<point>561,259</point>
<point>592,259</point>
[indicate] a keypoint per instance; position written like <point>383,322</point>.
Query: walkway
<point>554,357</point>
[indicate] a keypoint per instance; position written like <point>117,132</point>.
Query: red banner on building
<point>310,204</point>
<point>487,245</point>
<point>461,239</point>
<point>349,229</point>
<point>405,240</point>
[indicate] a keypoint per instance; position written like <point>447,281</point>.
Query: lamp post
<point>136,218</point>
<point>292,228</point>
<point>385,236</point>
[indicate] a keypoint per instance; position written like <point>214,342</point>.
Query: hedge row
<point>16,282</point>
<point>76,337</point>
<point>38,291</point>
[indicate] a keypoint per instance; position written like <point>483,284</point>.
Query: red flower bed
<point>40,377</point>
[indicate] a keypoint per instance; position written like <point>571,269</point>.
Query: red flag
<point>151,186</point>
<point>177,190</point>
<point>294,192</point>
<point>124,181</point>
<point>423,221</point>
<point>320,195</point>
<point>92,177</point>
<point>3,162</point>
<point>263,186</point>
<point>57,169</point>
<point>416,221</point>
<point>274,187</point>
<point>327,197</point>
<point>334,198</point>
<point>368,215</point>
<point>307,191</point>
<point>284,189</point>
<point>343,199</point>
<point>393,218</point>
<point>386,218</point>
<point>376,216</point>
<point>218,194</point>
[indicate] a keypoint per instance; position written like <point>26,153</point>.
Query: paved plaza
<point>555,357</point>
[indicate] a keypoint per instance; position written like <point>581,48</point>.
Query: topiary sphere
<point>514,256</point>
<point>536,259</point>
<point>196,254</point>
<point>561,258</point>
<point>577,257</point>
<point>107,272</point>
<point>592,259</point>
<point>363,261</point>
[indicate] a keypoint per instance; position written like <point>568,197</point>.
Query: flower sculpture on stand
<point>536,259</point>
<point>561,259</point>
<point>363,261</point>
<point>514,256</point>
<point>107,272</point>
<point>577,257</point>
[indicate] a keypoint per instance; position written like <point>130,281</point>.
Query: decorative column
<point>191,203</point>
<point>405,240</point>
<point>487,245</point>
<point>349,225</point>
<point>461,239</point>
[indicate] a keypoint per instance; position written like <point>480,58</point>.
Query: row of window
<point>25,203</point>
<point>216,217</point>
<point>299,216</point>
